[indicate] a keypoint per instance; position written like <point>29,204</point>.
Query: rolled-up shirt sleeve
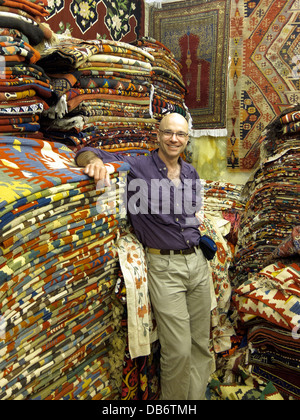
<point>106,157</point>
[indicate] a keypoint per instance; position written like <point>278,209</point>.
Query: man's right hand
<point>98,171</point>
<point>95,168</point>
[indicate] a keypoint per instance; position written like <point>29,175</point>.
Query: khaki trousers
<point>179,288</point>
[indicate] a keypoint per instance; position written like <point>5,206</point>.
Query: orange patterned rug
<point>263,72</point>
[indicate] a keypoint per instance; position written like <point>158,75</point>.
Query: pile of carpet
<point>25,90</point>
<point>167,80</point>
<point>247,389</point>
<point>105,95</point>
<point>271,197</point>
<point>265,362</point>
<point>223,200</point>
<point>282,133</point>
<point>61,333</point>
<point>58,271</point>
<point>266,269</point>
<point>222,197</point>
<point>59,260</point>
<point>220,220</point>
<point>268,304</point>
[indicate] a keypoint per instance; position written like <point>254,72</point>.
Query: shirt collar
<point>185,167</point>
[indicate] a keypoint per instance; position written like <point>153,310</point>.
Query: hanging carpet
<point>197,33</point>
<point>263,77</point>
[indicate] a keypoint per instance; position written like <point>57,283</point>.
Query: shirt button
<point>187,242</point>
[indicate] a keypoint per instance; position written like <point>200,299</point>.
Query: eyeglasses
<point>168,134</point>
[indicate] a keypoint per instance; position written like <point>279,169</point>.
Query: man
<point>164,221</point>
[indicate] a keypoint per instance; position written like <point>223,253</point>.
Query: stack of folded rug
<point>58,269</point>
<point>223,200</point>
<point>266,272</point>
<point>272,200</point>
<point>105,95</point>
<point>267,264</point>
<point>25,90</point>
<point>169,87</point>
<point>220,220</point>
<point>248,388</point>
<point>268,304</point>
<point>222,197</point>
<point>266,313</point>
<point>282,133</point>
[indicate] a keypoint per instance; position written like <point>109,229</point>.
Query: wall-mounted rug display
<point>263,65</point>
<point>119,20</point>
<point>197,33</point>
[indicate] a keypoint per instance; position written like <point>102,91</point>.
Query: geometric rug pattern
<point>119,20</point>
<point>263,72</point>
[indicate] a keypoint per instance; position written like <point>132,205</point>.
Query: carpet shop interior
<point>76,321</point>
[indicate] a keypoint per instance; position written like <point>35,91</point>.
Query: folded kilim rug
<point>241,392</point>
<point>58,270</point>
<point>275,356</point>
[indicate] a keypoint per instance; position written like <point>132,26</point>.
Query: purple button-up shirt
<point>162,215</point>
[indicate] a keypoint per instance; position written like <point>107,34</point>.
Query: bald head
<point>174,119</point>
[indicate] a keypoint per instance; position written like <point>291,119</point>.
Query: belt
<point>188,251</point>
